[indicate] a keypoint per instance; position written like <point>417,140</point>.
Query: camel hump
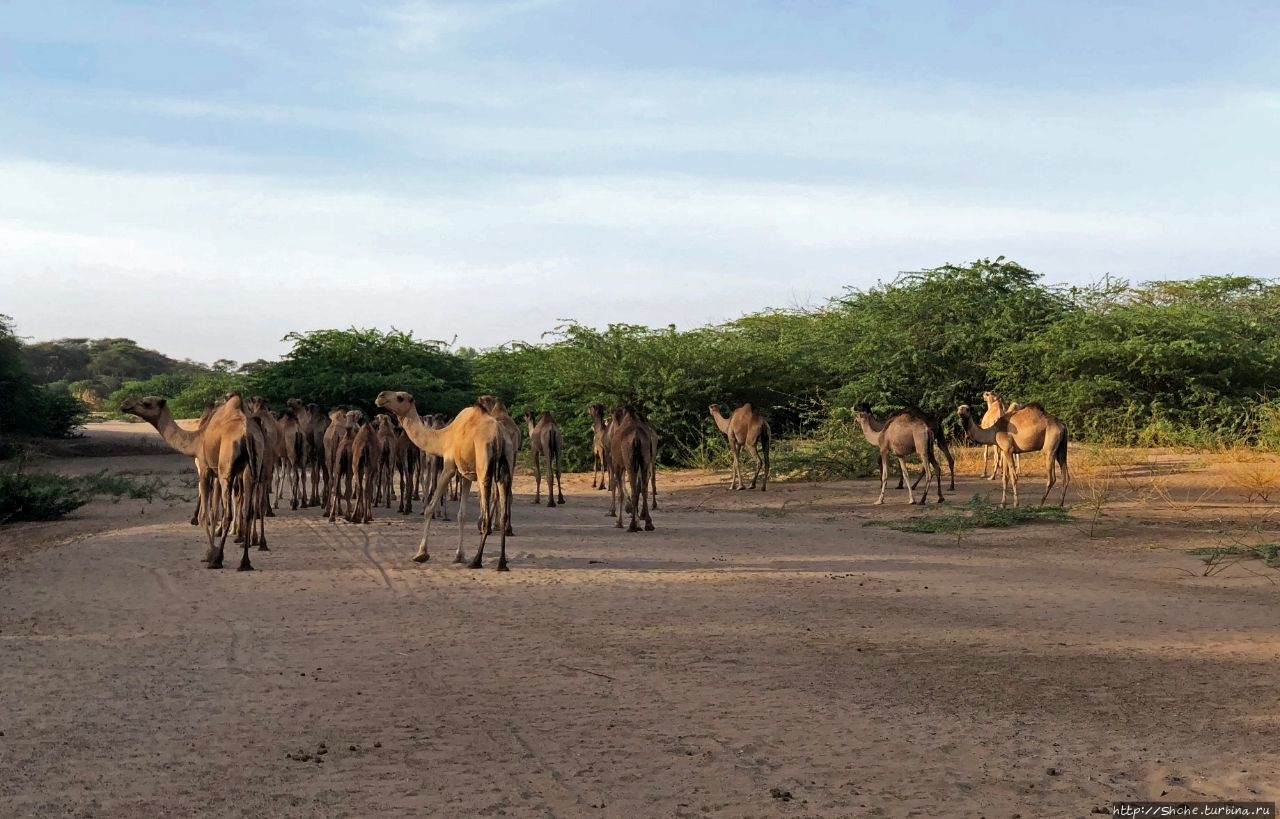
<point>914,413</point>
<point>1035,405</point>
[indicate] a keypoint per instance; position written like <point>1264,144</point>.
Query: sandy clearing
<point>746,645</point>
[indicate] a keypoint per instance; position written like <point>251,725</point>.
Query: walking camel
<point>545,442</point>
<point>230,455</point>
<point>903,433</point>
<point>745,429</point>
<point>510,432</point>
<point>473,446</point>
<point>631,451</point>
<point>1027,429</point>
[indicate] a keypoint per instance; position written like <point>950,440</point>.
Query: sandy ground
<point>755,645</point>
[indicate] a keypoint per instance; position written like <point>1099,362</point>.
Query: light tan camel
<point>745,429</point>
<point>631,449</point>
<point>906,432</point>
<point>155,411</point>
<point>940,439</point>
<point>229,451</point>
<point>995,408</point>
<point>545,442</point>
<point>599,444</point>
<point>1027,429</point>
<point>473,446</point>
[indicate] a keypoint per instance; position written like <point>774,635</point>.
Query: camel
<point>939,438</point>
<point>1027,429</point>
<point>229,451</point>
<point>747,429</point>
<point>388,456</point>
<point>599,444</point>
<point>291,461</point>
<point>407,465</point>
<point>473,446</point>
<point>366,458</point>
<point>256,408</point>
<point>903,433</point>
<point>631,450</point>
<point>545,441</point>
<point>155,411</point>
<point>313,423</point>
<point>338,439</point>
<point>510,430</point>
<point>995,408</point>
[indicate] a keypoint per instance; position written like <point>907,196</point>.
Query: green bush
<point>38,496</point>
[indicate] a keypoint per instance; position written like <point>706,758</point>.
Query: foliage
<point>27,408</point>
<point>1267,552</point>
<point>978,514</point>
<point>38,496</point>
<point>187,392</point>
<point>350,367</point>
<point>94,368</point>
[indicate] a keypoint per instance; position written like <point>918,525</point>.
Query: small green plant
<point>1266,552</point>
<point>979,513</point>
<point>38,496</point>
<point>118,486</point>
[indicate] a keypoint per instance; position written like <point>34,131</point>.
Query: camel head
<point>714,409</point>
<point>862,411</point>
<point>397,401</point>
<point>990,397</point>
<point>295,404</point>
<point>355,418</point>
<point>595,412</point>
<point>963,410</point>
<point>491,404</point>
<point>257,404</point>
<point>146,408</point>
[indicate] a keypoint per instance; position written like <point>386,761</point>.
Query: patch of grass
<point>38,496</point>
<point>979,513</point>
<point>1268,552</point>
<point>126,486</point>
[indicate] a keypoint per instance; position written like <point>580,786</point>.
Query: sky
<point>205,178</point>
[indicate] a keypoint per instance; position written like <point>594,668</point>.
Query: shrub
<point>38,496</point>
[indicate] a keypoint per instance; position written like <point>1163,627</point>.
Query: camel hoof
<point>633,528</point>
<point>421,557</point>
<point>561,501</point>
<point>459,559</point>
<point>537,501</point>
<point>244,567</point>
<point>502,566</point>
<point>475,564</point>
<point>648,527</point>
<point>269,514</point>
<point>551,504</point>
<point>214,565</point>
<point>294,506</point>
<point>263,548</point>
<point>511,532</point>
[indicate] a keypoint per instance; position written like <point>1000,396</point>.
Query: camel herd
<point>247,456</point>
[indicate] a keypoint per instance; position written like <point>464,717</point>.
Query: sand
<point>760,654</point>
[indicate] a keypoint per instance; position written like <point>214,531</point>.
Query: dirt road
<point>749,658</point>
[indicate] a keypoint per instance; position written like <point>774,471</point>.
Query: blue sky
<point>480,170</point>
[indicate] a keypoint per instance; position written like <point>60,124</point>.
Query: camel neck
<point>871,429</point>
<point>721,422</point>
<point>182,440</point>
<point>982,435</point>
<point>426,438</point>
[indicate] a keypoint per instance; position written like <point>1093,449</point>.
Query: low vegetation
<point>979,513</point>
<point>26,495</point>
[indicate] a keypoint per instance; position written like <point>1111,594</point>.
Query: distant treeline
<point>1193,363</point>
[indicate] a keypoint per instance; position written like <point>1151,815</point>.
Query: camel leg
<point>504,500</point>
<point>937,471</point>
<point>951,466</point>
<point>736,481</point>
<point>755,456</point>
<point>635,475</point>
<point>653,482</point>
<point>551,489</point>
<point>911,495</point>
<point>537,475</point>
<point>644,492</point>
<point>461,555</point>
<point>884,476</point>
<point>421,556</point>
<point>484,490</point>
<point>559,481</point>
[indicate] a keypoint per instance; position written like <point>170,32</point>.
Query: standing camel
<point>339,437</point>
<point>545,442</point>
<point>906,432</point>
<point>599,444</point>
<point>1027,429</point>
<point>631,450</point>
<point>996,407</point>
<point>748,429</point>
<point>473,446</point>
<point>939,438</point>
<point>366,457</point>
<point>230,449</point>
<point>291,463</point>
